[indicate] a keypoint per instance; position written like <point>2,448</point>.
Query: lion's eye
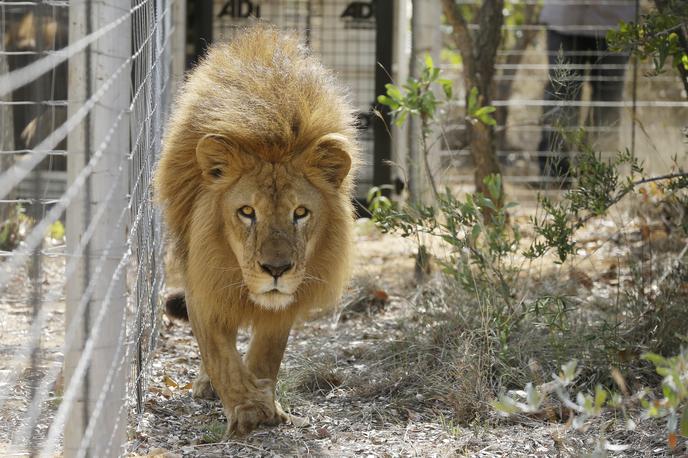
<point>247,212</point>
<point>300,213</point>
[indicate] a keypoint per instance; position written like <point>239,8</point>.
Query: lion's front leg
<point>266,350</point>
<point>247,401</point>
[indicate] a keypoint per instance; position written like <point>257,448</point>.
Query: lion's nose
<point>276,271</point>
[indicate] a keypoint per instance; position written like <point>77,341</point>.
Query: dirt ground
<point>16,316</point>
<point>353,409</point>
<point>334,375</point>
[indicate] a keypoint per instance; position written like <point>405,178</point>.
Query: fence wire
<point>84,90</point>
<point>619,101</point>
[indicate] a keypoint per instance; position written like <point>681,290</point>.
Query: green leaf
<point>475,232</point>
<point>533,397</point>
<point>494,185</point>
<point>450,56</point>
<point>383,202</point>
<point>655,359</point>
<point>57,230</point>
<point>487,203</point>
<point>393,91</point>
<point>683,426</point>
<point>399,121</point>
<point>484,110</point>
<point>472,101</point>
<point>384,100</point>
<point>600,397</point>
<point>372,192</point>
<point>428,61</point>
<point>488,120</point>
<point>569,371</point>
<point>505,405</point>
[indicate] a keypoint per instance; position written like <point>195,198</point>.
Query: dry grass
<point>416,376</point>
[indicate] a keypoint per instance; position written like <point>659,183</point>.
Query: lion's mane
<point>265,91</point>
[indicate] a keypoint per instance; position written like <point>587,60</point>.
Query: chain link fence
<point>84,91</point>
<point>552,74</point>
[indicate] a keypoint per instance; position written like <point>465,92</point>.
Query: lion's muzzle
<point>276,270</point>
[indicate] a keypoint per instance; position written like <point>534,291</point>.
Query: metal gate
<point>353,38</point>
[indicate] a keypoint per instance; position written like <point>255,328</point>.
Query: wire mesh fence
<point>84,89</point>
<point>344,42</point>
<point>554,71</point>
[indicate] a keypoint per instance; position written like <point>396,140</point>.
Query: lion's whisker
<point>232,285</point>
<point>225,269</point>
<point>307,277</point>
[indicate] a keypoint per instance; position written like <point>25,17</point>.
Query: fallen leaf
<point>644,231</point>
<point>381,295</point>
<point>612,272</point>
<point>658,234</point>
<point>581,277</point>
<point>169,381</point>
<point>620,380</point>
<point>166,392</point>
<point>299,422</point>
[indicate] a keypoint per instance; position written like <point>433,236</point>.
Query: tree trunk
<point>482,148</point>
<point>479,50</point>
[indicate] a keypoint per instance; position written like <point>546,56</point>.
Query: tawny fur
<point>270,99</point>
<point>263,91</point>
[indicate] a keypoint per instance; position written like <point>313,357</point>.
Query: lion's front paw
<point>260,410</point>
<point>201,388</point>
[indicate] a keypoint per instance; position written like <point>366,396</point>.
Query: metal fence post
<point>87,72</point>
<point>426,38</point>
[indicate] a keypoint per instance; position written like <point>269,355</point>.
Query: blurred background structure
<point>85,88</point>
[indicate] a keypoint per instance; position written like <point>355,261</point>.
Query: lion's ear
<point>218,157</point>
<point>330,158</point>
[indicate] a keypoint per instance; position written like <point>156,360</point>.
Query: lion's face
<point>272,214</point>
<point>271,221</point>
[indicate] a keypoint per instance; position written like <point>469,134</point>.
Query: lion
<point>256,182</point>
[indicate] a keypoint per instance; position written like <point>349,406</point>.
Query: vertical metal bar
<point>426,38</point>
<point>178,47</point>
<point>384,39</point>
<point>400,69</point>
<point>39,94</point>
<point>635,85</point>
<point>35,268</point>
<point>6,118</point>
<point>79,144</point>
<point>87,71</point>
<point>202,29</point>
